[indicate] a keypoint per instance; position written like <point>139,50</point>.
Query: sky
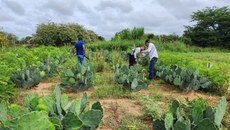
<point>104,17</point>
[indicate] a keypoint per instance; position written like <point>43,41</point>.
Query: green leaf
<point>158,125</point>
<point>84,101</point>
<point>31,121</point>
<point>64,101</point>
<point>179,125</point>
<point>57,93</point>
<point>168,121</point>
<point>97,106</point>
<point>197,114</point>
<point>57,123</point>
<point>3,111</point>
<point>75,107</point>
<point>92,118</point>
<point>206,124</point>
<point>220,111</point>
<point>134,84</point>
<point>174,106</point>
<point>71,122</point>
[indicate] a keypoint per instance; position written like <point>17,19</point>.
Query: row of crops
<point>52,112</point>
<point>25,68</point>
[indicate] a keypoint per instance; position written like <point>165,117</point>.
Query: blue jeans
<point>151,67</point>
<point>80,58</point>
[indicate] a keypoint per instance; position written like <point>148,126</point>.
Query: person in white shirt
<point>151,52</point>
<point>133,55</point>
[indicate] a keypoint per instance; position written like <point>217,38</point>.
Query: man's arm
<point>73,49</point>
<point>148,50</point>
<point>84,49</point>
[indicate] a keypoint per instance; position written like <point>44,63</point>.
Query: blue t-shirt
<point>79,47</point>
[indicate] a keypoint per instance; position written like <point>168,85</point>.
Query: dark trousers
<point>132,60</point>
<point>151,67</point>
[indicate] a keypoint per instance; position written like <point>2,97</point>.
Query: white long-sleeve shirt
<point>151,51</point>
<point>135,51</point>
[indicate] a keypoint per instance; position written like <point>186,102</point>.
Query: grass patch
<point>112,91</point>
<point>131,122</point>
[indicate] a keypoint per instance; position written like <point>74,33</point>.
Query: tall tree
<point>212,27</point>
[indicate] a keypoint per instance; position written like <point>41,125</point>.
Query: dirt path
<point>115,109</point>
<point>44,88</point>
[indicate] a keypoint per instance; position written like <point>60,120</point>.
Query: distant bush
<point>129,34</point>
<point>3,40</point>
<point>61,34</point>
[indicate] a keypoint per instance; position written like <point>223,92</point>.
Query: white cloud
<point>105,17</point>
<point>14,6</point>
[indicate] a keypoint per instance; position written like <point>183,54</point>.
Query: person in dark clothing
<point>80,50</point>
<point>133,55</point>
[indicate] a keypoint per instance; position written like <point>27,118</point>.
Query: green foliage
<point>80,77</point>
<point>220,111</point>
<point>132,78</point>
<point>168,121</point>
<point>33,120</point>
<point>7,90</point>
<point>15,110</point>
<point>3,41</point>
<point>52,112</point>
<point>211,28</point>
<point>17,59</point>
<point>192,116</point>
<point>129,34</point>
<point>3,112</point>
<point>199,61</point>
<point>31,76</point>
<point>61,34</point>
<point>107,56</point>
<point>27,77</point>
<point>185,78</point>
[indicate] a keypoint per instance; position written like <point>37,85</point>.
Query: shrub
<point>131,79</point>
<point>193,116</point>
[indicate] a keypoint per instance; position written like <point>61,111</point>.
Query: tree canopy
<point>212,28</point>
<point>61,34</point>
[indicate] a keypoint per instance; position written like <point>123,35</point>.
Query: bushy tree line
<point>212,28</point>
<point>164,38</point>
<point>7,38</point>
<point>129,34</point>
<point>61,34</point>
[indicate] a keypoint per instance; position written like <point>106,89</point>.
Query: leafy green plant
<point>80,77</point>
<point>107,56</point>
<point>51,112</point>
<point>132,78</point>
<point>31,76</point>
<point>192,116</point>
<point>185,78</point>
<point>27,77</point>
<point>71,116</point>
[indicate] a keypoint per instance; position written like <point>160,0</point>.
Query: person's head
<point>142,48</point>
<point>147,42</point>
<point>80,38</point>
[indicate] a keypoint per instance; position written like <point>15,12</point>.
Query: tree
<point>12,39</point>
<point>212,28</point>
<point>129,34</point>
<point>61,34</point>
<point>3,40</point>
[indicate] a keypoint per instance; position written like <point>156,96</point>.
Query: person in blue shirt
<point>80,50</point>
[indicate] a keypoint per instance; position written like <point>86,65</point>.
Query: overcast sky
<point>104,17</point>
